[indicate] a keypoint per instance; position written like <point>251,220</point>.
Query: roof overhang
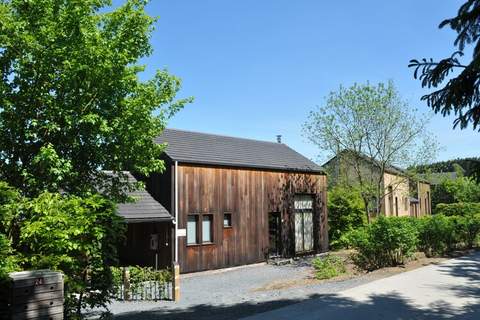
<point>247,166</point>
<point>131,220</point>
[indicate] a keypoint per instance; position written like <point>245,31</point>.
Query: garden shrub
<point>458,209</point>
<point>9,201</point>
<point>8,261</point>
<point>386,242</point>
<point>440,234</point>
<point>146,283</point>
<point>437,234</point>
<point>78,236</point>
<point>328,267</point>
<point>467,230</point>
<point>345,213</point>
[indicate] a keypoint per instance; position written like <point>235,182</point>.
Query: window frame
<point>230,226</point>
<point>199,229</point>
<point>212,226</point>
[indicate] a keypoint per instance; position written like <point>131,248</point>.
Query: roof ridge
<point>227,136</point>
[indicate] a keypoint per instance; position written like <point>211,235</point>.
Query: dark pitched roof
<point>389,169</point>
<point>203,148</point>
<point>144,209</point>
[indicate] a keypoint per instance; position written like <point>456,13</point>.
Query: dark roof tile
<point>203,148</point>
<point>144,209</point>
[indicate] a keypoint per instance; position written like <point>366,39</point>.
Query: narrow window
<point>429,204</point>
<point>396,206</point>
<point>207,230</point>
<point>227,220</point>
<point>192,227</point>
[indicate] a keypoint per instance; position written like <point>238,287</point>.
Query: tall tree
<point>71,101</point>
<point>457,94</point>
<point>373,130</point>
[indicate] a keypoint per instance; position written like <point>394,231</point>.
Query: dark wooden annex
<point>237,201</point>
<point>149,231</point>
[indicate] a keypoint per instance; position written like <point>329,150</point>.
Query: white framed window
<point>207,228</point>
<point>192,229</point>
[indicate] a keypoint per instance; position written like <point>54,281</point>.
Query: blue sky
<point>256,68</point>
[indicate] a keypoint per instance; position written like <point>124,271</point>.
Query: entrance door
<point>303,223</point>
<point>274,234</point>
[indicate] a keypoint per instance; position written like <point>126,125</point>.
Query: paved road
<point>445,291</point>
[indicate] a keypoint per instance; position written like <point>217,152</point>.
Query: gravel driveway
<point>235,294</point>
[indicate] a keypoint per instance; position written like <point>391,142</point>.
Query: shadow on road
<point>334,306</point>
<point>328,306</point>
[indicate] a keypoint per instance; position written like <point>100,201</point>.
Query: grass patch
<point>328,267</point>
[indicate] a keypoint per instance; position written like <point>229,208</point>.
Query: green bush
<point>386,242</point>
<point>345,213</point>
<point>440,234</point>
<point>328,267</point>
<point>468,229</point>
<point>458,209</point>
<point>145,282</point>
<point>9,201</point>
<point>78,236</point>
<point>437,234</point>
<point>8,261</point>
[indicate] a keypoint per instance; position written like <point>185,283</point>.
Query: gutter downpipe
<point>176,211</point>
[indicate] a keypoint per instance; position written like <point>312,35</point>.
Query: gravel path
<point>234,294</point>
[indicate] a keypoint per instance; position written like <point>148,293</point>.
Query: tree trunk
<point>365,203</point>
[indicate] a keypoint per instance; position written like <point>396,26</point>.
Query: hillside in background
<point>471,166</point>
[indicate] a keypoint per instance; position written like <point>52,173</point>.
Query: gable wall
<point>249,195</point>
<point>399,196</point>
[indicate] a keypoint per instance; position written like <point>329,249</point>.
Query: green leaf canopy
<point>71,101</point>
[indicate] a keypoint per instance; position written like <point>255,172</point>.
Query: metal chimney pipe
<point>279,138</point>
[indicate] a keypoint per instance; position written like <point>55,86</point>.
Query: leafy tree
<point>72,104</point>
<point>345,213</point>
<point>461,189</point>
<point>460,93</point>
<point>374,130</point>
<point>470,167</point>
<point>71,101</point>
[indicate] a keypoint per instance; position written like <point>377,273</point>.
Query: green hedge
<point>392,241</point>
<point>458,209</point>
<point>436,234</point>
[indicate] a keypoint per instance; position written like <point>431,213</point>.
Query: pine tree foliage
<point>460,94</point>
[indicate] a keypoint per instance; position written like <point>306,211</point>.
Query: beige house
<point>421,203</point>
<point>402,195</point>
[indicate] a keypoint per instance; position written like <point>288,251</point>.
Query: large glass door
<point>303,223</point>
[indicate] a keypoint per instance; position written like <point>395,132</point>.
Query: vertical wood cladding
<point>249,195</point>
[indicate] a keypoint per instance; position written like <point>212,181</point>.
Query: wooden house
<point>234,201</point>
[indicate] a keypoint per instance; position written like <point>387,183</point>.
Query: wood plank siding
<point>249,195</point>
